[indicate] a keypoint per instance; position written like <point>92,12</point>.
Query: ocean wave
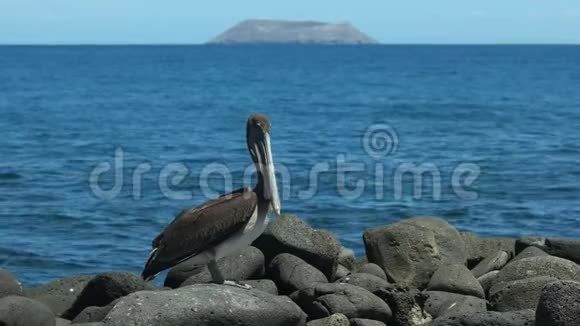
<point>10,176</point>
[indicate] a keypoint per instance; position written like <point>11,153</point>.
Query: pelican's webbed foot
<point>218,278</point>
<point>239,285</point>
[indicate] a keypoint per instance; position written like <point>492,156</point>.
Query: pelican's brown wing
<point>196,229</point>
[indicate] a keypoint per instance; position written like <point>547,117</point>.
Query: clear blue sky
<point>190,21</point>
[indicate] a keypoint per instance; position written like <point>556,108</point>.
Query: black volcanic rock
<point>205,305</point>
<point>245,265</point>
<point>9,285</point>
<point>480,248</point>
<point>365,281</point>
<point>488,318</point>
<point>518,295</point>
<point>104,288</point>
<point>528,253</point>
<point>291,273</point>
<point>492,263</point>
<point>256,31</point>
<point>71,286</point>
<point>455,278</point>
<point>559,268</point>
<point>324,299</point>
<point>407,305</point>
<point>21,311</point>
<point>411,250</point>
<point>290,234</point>
<point>563,248</point>
<point>559,304</point>
<point>264,285</point>
<point>445,304</point>
<point>373,269</point>
<point>333,320</point>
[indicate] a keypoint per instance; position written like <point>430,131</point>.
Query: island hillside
<point>257,31</point>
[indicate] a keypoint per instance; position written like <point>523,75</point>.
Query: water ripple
<point>507,109</point>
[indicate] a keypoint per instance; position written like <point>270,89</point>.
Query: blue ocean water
<point>501,122</point>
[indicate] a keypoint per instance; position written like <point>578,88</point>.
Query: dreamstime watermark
<point>379,142</point>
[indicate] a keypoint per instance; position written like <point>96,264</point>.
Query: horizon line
<point>297,44</point>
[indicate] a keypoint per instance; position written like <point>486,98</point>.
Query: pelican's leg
<point>219,278</point>
<point>216,275</point>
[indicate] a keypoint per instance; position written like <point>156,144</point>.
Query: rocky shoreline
<point>418,271</point>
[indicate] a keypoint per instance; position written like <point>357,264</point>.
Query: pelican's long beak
<point>270,185</point>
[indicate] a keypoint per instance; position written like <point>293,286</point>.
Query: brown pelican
<point>226,224</point>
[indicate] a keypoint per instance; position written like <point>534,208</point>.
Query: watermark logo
<point>351,178</point>
<point>380,140</point>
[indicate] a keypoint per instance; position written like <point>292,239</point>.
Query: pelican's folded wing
<point>196,229</point>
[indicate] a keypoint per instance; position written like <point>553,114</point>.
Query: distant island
<point>262,31</point>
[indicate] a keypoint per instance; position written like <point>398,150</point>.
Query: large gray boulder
<point>289,234</point>
<point>341,272</point>
<point>105,288</point>
<point>494,262</point>
<point>411,250</point>
<point>246,265</point>
<point>72,286</point>
<point>333,320</point>
<point>360,261</point>
<point>525,242</point>
<point>365,322</point>
<point>490,318</point>
<point>62,322</point>
<point>455,278</point>
<point>488,280</point>
<point>563,248</point>
<point>559,304</point>
<point>373,269</point>
<point>480,248</point>
<point>559,268</point>
<point>529,252</point>
<point>59,295</point>
<point>366,281</point>
<point>291,273</point>
<point>518,295</point>
<point>94,314</point>
<point>21,311</point>
<point>442,304</point>
<point>324,299</point>
<point>265,285</point>
<point>9,285</point>
<point>205,305</point>
<point>59,304</point>
<point>347,258</point>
